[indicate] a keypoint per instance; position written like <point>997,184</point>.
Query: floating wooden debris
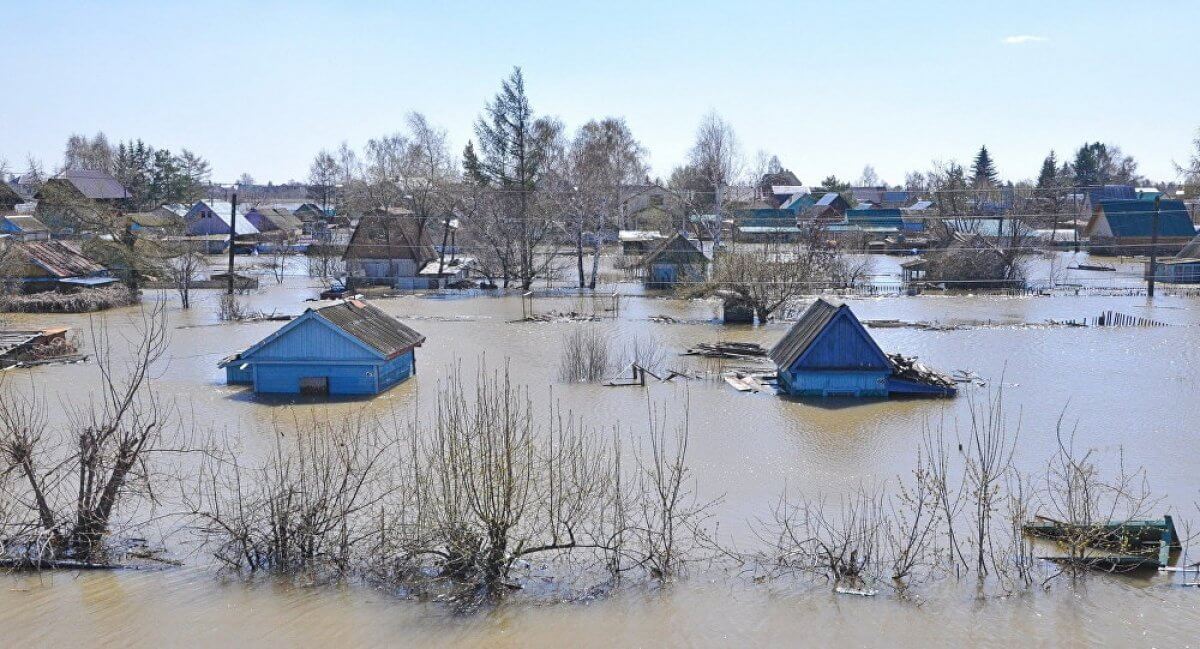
<point>750,381</point>
<point>908,369</point>
<point>1093,267</point>
<point>561,316</point>
<point>1116,319</point>
<point>727,349</point>
<point>664,319</point>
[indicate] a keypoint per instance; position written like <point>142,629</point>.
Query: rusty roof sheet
<point>59,258</point>
<point>376,329</point>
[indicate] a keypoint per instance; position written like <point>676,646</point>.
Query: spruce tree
<point>983,171</point>
<point>1087,165</point>
<point>1048,177</point>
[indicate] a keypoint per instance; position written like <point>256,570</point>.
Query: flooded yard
<point>1127,389</point>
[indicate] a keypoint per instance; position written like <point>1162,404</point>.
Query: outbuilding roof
<point>376,329</point>
<point>390,235</point>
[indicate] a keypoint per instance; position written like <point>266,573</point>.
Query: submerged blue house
<point>350,348</point>
<point>828,353</point>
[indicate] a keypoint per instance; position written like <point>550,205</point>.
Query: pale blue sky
<point>827,86</point>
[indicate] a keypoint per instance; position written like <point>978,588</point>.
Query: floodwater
<point>1126,389</point>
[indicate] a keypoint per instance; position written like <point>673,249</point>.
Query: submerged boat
<point>1129,544</point>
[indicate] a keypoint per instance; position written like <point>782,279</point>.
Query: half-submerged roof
<point>807,330</point>
<point>373,327</point>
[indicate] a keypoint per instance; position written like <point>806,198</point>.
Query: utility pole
<point>232,236</point>
<point>1153,247</point>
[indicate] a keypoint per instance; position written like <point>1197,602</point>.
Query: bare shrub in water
<point>231,309</point>
<point>64,489</point>
<point>308,508</point>
<point>586,356</point>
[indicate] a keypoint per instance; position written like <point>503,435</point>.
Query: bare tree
<point>74,495</point>
<point>716,157</point>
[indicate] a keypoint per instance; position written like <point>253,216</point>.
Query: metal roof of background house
<point>280,217</point>
<point>1111,192</point>
<point>58,258</point>
<point>875,218</point>
<point>25,223</point>
<point>828,198</point>
<point>223,211</point>
<point>1135,218</point>
<point>93,183</point>
<point>376,329</point>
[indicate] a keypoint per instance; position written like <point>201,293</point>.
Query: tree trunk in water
<point>579,257</point>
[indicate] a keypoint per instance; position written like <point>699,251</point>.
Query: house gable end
<point>843,344</point>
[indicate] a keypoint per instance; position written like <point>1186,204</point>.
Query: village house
<point>828,353</point>
<point>389,249</point>
<point>208,221</point>
<point>309,212</point>
<point>674,262</point>
<point>163,220</point>
<point>75,197</point>
<point>829,207</point>
<point>1126,227</point>
<point>274,222</point>
<point>348,349</point>
<point>37,266</point>
<point>23,227</point>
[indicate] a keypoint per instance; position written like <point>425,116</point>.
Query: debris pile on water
<point>561,316</point>
<point>907,368</point>
<point>727,349</point>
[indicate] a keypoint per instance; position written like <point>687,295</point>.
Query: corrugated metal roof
<point>802,334</point>
<point>94,184</point>
<point>875,218</point>
<point>373,327</point>
<point>1135,218</point>
<point>58,258</point>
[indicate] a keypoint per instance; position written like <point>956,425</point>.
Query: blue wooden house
<point>828,353</point>
<point>350,348</point>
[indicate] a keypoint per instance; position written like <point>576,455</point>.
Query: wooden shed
<point>349,348</point>
<point>674,262</point>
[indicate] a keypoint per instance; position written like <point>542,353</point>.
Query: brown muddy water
<point>1130,389</point>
